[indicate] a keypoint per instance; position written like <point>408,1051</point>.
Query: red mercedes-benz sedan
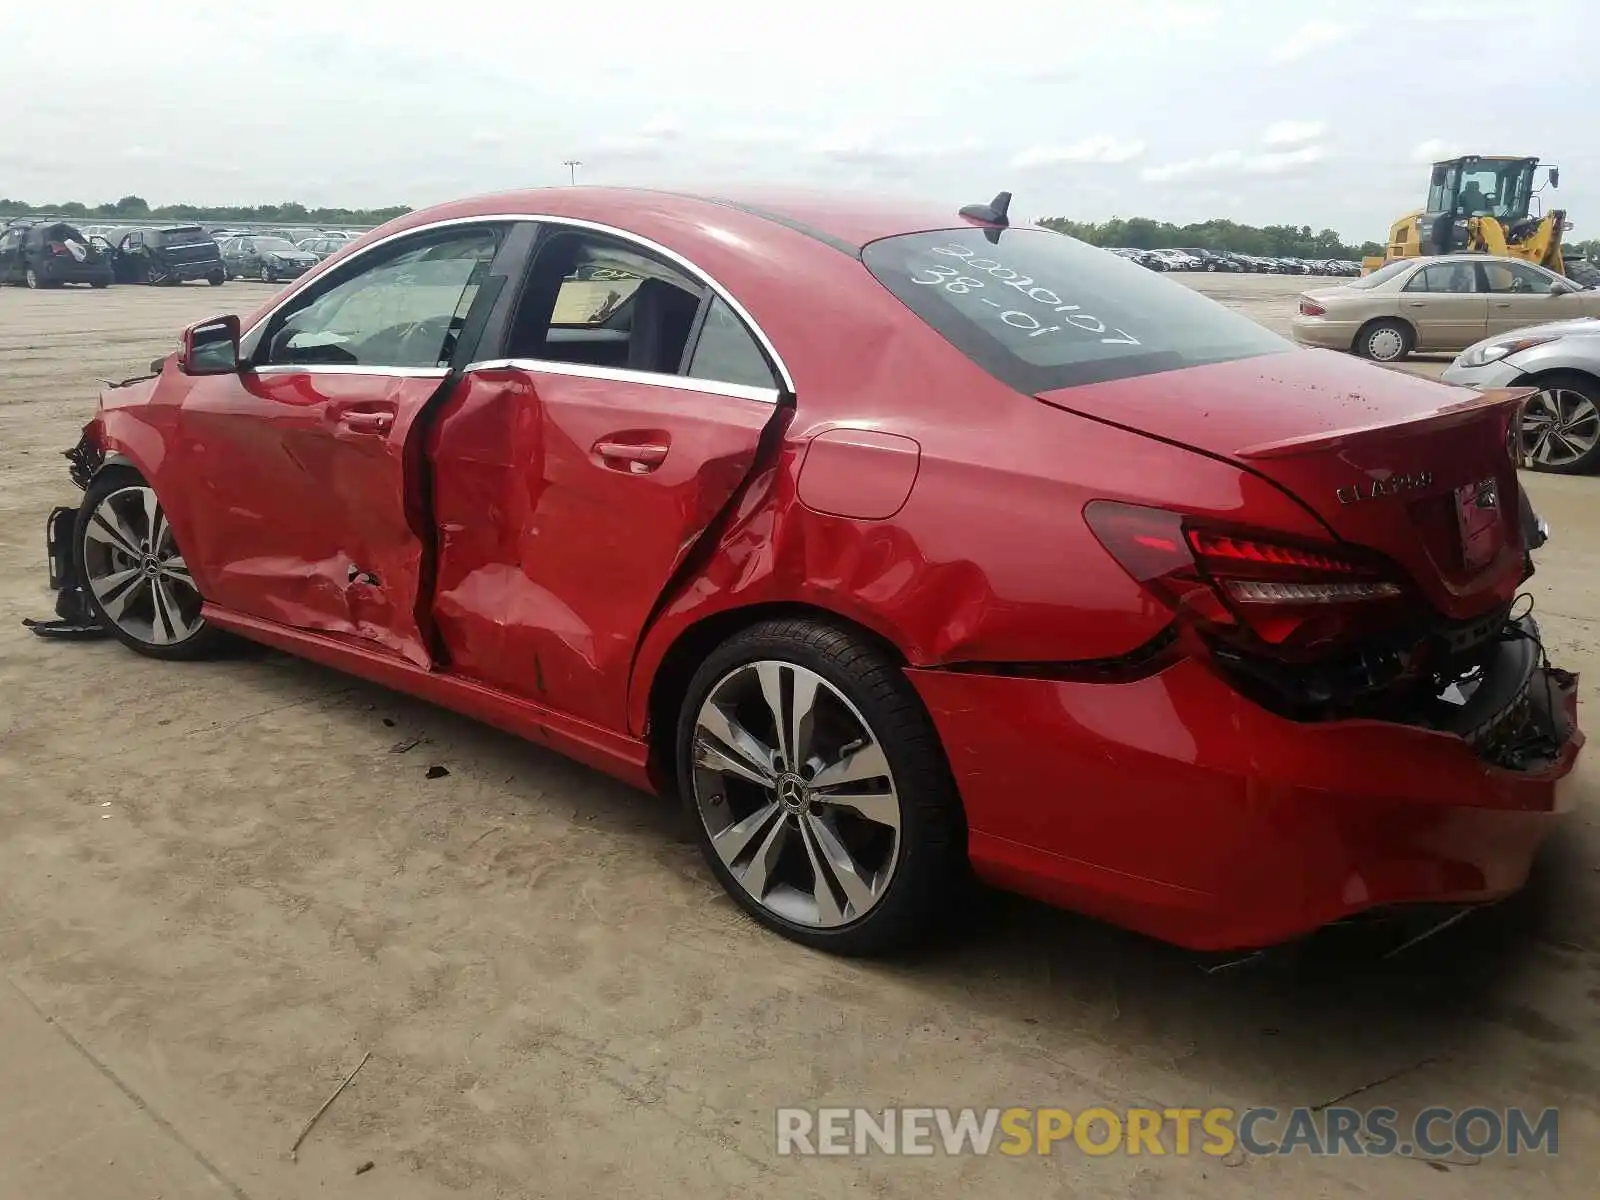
<point>894,539</point>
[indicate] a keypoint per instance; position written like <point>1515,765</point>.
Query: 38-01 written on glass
<point>1071,316</point>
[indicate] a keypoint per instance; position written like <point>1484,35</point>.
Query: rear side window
<point>727,353</point>
<point>1040,311</point>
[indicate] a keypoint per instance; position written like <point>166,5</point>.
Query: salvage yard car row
<point>43,252</point>
<point>1193,258</point>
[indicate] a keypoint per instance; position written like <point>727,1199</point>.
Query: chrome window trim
<point>682,383</point>
<point>671,256</point>
<point>350,369</point>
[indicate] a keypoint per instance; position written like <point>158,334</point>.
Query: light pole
<point>572,165</point>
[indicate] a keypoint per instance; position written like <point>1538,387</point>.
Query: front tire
<point>1561,424</point>
<point>818,789</point>
<point>1385,341</point>
<point>135,577</point>
<point>31,278</point>
<point>267,275</point>
<point>215,279</point>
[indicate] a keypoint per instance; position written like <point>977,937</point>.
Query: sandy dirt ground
<point>221,885</point>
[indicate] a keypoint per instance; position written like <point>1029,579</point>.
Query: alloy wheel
<point>1559,426</point>
<point>266,275</point>
<point>796,793</point>
<point>31,278</point>
<point>133,567</point>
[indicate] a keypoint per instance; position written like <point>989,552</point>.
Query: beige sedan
<point>1443,303</point>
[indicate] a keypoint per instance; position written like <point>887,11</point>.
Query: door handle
<point>1502,304</point>
<point>367,422</point>
<point>639,456</point>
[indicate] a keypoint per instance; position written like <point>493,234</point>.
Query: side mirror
<point>1555,177</point>
<point>210,347</point>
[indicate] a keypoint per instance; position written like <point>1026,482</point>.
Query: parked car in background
<point>1561,422</point>
<point>265,257</point>
<point>1209,260</point>
<point>323,247</point>
<point>170,254</point>
<point>1177,260</point>
<point>1441,303</point>
<point>48,254</point>
<point>1145,258</point>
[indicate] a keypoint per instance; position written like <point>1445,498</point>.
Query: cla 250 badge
<point>1374,489</point>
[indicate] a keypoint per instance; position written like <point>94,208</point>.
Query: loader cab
<point>1476,186</point>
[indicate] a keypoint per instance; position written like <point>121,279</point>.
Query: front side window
<point>1040,310</point>
<point>403,308</point>
<point>1517,279</point>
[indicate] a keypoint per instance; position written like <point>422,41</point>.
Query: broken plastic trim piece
<point>75,619</point>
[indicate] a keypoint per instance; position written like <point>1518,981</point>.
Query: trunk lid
<point>1417,470</point>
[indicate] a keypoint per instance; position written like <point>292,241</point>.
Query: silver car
<point>1445,302</point>
<point>1561,423</point>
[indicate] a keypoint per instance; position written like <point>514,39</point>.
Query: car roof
<point>845,221</point>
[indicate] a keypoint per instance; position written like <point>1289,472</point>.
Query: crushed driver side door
<point>304,507</point>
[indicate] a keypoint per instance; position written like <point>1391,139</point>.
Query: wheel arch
<point>688,649</point>
<point>1361,333</point>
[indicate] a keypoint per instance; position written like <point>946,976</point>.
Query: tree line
<point>136,208</point>
<point>1271,241</point>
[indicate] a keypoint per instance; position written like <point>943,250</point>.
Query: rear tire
<point>267,276</point>
<point>1583,273</point>
<point>31,278</point>
<point>1562,423</point>
<point>865,876</point>
<point>135,577</point>
<point>1385,341</point>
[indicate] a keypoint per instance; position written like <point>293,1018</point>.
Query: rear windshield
<point>273,243</point>
<point>183,236</point>
<point>1381,275</point>
<point>1040,310</point>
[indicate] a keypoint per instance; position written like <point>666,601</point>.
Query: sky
<point>1314,112</point>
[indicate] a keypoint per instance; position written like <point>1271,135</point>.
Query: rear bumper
<point>1174,806</point>
<point>188,271</point>
<point>1323,333</point>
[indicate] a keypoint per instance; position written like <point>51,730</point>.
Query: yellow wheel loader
<point>1480,203</point>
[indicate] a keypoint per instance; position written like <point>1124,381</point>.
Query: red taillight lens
<point>57,248</point>
<point>1309,308</point>
<point>1291,595</point>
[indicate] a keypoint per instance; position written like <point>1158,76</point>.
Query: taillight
<point>1292,595</point>
<point>57,248</point>
<point>1310,308</point>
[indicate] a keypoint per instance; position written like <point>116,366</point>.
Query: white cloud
<point>1210,165</point>
<point>1283,161</point>
<point>754,135</point>
<point>1100,148</point>
<point>1235,162</point>
<point>1287,134</point>
<point>1310,37</point>
<point>661,128</point>
<point>869,148</point>
<point>1433,150</point>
